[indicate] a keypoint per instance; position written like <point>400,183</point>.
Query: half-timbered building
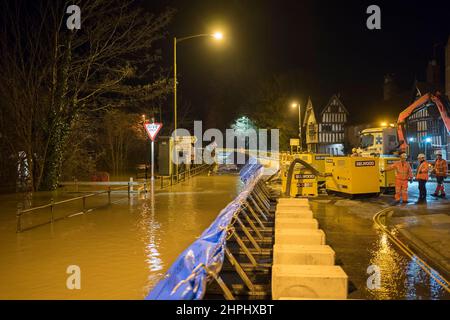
<point>333,119</point>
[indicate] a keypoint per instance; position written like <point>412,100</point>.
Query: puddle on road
<point>122,249</point>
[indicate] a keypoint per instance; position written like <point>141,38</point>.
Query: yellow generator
<point>387,179</point>
<point>352,175</point>
<point>316,160</point>
<point>303,183</point>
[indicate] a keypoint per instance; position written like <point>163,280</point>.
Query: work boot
<point>442,196</point>
<point>434,195</point>
<point>421,200</point>
<point>395,203</point>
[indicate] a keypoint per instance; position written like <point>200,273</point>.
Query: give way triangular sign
<point>152,129</point>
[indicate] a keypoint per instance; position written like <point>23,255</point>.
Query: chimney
<point>389,87</point>
<point>433,72</point>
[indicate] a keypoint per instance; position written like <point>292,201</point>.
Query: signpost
<point>152,129</point>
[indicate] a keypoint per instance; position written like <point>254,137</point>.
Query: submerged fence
<point>202,260</point>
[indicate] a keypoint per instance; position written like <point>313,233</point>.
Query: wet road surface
<point>359,244</point>
<point>122,249</point>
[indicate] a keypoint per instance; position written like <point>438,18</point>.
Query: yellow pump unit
<point>387,179</point>
<point>352,175</point>
<point>299,179</point>
<point>316,160</point>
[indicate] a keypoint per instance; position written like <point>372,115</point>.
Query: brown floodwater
<point>122,250</point>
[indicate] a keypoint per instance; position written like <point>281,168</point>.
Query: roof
<point>338,98</point>
<point>309,109</point>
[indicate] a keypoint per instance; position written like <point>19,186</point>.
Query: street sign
<point>294,142</point>
<point>152,129</point>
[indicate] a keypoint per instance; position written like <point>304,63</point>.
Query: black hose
<point>291,171</point>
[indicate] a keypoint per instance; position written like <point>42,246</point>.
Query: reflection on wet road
<point>358,244</point>
<point>122,250</point>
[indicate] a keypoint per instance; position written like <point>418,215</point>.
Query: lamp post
<point>217,36</point>
<point>297,105</point>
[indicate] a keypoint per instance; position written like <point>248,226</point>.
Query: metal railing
<point>51,206</point>
<point>182,176</point>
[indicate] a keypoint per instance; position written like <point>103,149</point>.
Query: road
<point>358,243</point>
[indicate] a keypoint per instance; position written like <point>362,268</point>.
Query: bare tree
<point>51,75</point>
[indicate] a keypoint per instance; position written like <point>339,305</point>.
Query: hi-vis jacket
<point>440,168</point>
<point>403,170</point>
<point>422,171</point>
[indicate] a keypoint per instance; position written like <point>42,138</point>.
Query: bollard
<point>131,184</point>
<point>109,194</point>
<point>51,210</point>
<point>19,220</point>
<point>84,204</point>
<point>129,190</point>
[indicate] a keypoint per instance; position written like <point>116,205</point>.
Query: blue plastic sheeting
<point>187,277</point>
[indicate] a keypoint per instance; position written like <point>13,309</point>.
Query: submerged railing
<point>202,261</point>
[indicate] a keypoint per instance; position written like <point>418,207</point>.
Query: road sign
<point>152,129</point>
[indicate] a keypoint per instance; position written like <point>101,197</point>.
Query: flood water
<point>122,249</point>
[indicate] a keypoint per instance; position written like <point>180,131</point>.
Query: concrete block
<point>293,201</point>
<point>309,282</point>
<point>291,207</point>
<point>296,223</point>
<point>303,254</point>
<point>297,214</point>
<point>299,236</point>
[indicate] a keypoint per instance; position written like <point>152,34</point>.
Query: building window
<point>326,128</point>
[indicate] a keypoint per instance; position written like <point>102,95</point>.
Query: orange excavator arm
<point>420,103</point>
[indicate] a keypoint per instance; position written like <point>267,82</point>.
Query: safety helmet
<point>354,150</point>
<point>404,156</point>
<point>420,155</point>
<point>439,153</point>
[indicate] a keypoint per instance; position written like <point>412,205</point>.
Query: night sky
<point>323,46</point>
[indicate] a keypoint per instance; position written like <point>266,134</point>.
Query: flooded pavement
<point>122,249</point>
<point>359,244</point>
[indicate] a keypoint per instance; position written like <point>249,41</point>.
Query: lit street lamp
<point>427,141</point>
<point>217,36</point>
<point>297,105</point>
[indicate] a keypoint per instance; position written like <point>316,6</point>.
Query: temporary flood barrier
<point>202,261</point>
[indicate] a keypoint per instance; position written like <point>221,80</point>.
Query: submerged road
<point>122,250</point>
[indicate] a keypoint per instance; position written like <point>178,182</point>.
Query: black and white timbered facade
<point>325,133</point>
<point>333,118</point>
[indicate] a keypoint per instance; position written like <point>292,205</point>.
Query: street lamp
<point>216,36</point>
<point>427,140</point>
<point>297,105</point>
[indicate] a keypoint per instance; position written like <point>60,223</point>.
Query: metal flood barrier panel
<point>188,276</point>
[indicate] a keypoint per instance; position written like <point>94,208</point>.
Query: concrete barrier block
<point>299,236</point>
<point>298,214</point>
<point>293,201</point>
<point>289,207</point>
<point>303,254</point>
<point>309,282</point>
<point>296,223</point>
